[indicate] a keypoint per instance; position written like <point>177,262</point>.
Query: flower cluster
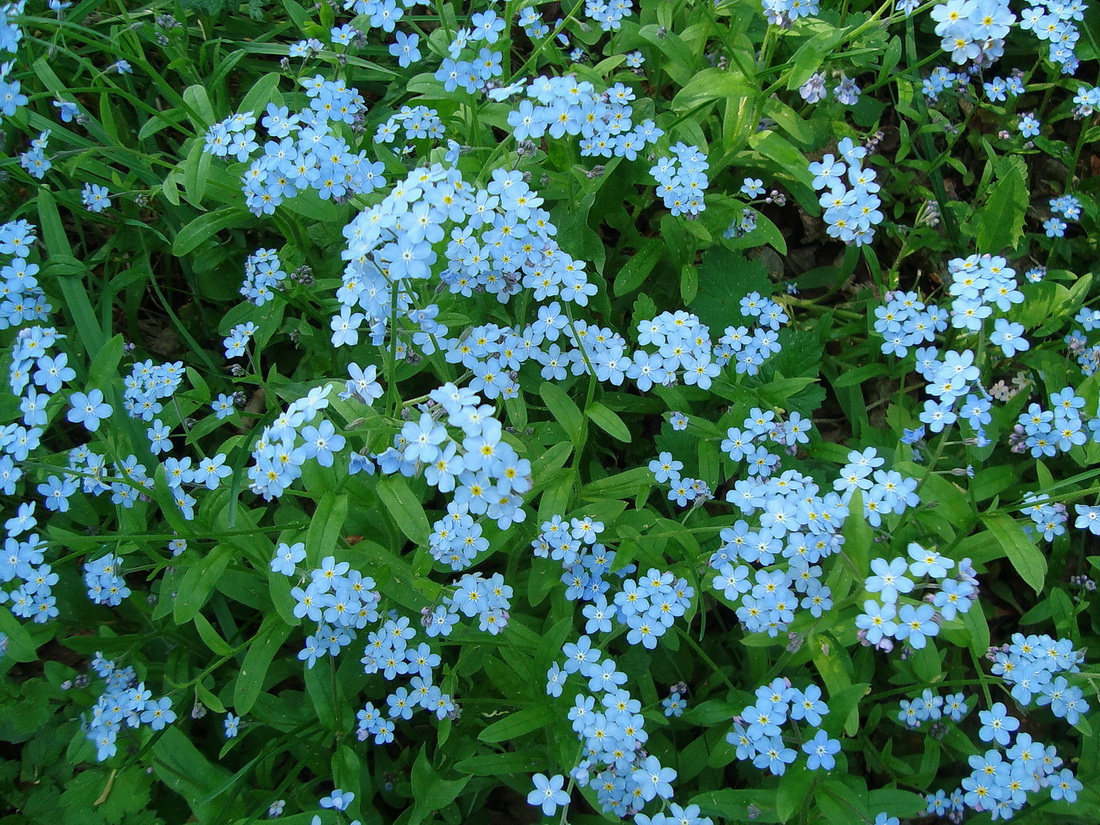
<point>103,578</point>
<point>1054,24</point>
<point>474,596</point>
<point>486,474</point>
<point>126,701</point>
<point>1048,517</point>
<point>304,150</point>
<point>418,122</point>
<point>666,470</point>
<point>608,14</point>
<point>816,89</point>
<point>11,96</point>
<point>1066,206</point>
<point>478,72</point>
<point>1086,101</point>
<point>34,160</point>
<point>585,562</point>
<point>650,605</point>
<point>1002,777</point>
<point>1032,665</point>
<point>278,456</point>
<point>851,214</point>
<point>96,198</point>
<point>1045,433</point>
<point>392,650</point>
<point>23,560</point>
<point>684,351</point>
<point>931,707</point>
<point>1087,357</point>
<point>973,32</point>
<point>263,272</point>
<point>784,12</point>
<point>889,618</point>
<point>23,301</point>
<point>612,732</point>
<point>682,179</point>
<point>999,89</point>
<point>796,524</point>
<point>381,14</point>
<point>145,387</point>
<point>758,730</point>
<point>565,105</point>
<point>340,600</point>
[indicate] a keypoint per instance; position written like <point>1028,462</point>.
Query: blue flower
<point>916,624</point>
<point>809,706</point>
<point>287,556</point>
<point>158,713</point>
<point>997,725</point>
<point>405,49</point>
<point>338,800</point>
<point>548,793</point>
<point>1028,125</point>
<point>1064,785</point>
<point>224,406</point>
<point>231,725</point>
<point>96,198</point>
<point>88,409</point>
<point>821,749</point>
<point>1054,228</point>
<point>889,579</point>
<point>752,187</point>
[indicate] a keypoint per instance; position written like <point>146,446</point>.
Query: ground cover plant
<point>672,412</point>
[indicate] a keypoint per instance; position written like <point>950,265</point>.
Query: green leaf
<point>637,269</point>
<point>209,699</point>
<point>794,789</point>
<point>196,173</point>
<point>72,288</point>
<point>326,526</point>
<point>181,767</point>
<point>261,651</point>
<point>756,805</point>
<point>127,793</point>
<point>500,764</point>
<point>516,724</point>
<point>564,411</point>
<point>849,378</point>
<point>199,100</point>
<point>725,277</point>
<point>430,791</point>
<point>211,637</point>
<point>713,84</point>
<point>689,281</point>
<point>844,709</point>
<point>21,645</point>
<point>199,581</point>
<point>839,806</point>
<point>323,693</point>
<point>1025,556</point>
<point>626,484</point>
<point>204,227</point>
<point>895,802</point>
<point>405,508</point>
<point>1001,220</point>
<point>608,421</point>
<point>261,93</point>
<point>975,622</point>
<point>786,161</point>
<point>811,54</point>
